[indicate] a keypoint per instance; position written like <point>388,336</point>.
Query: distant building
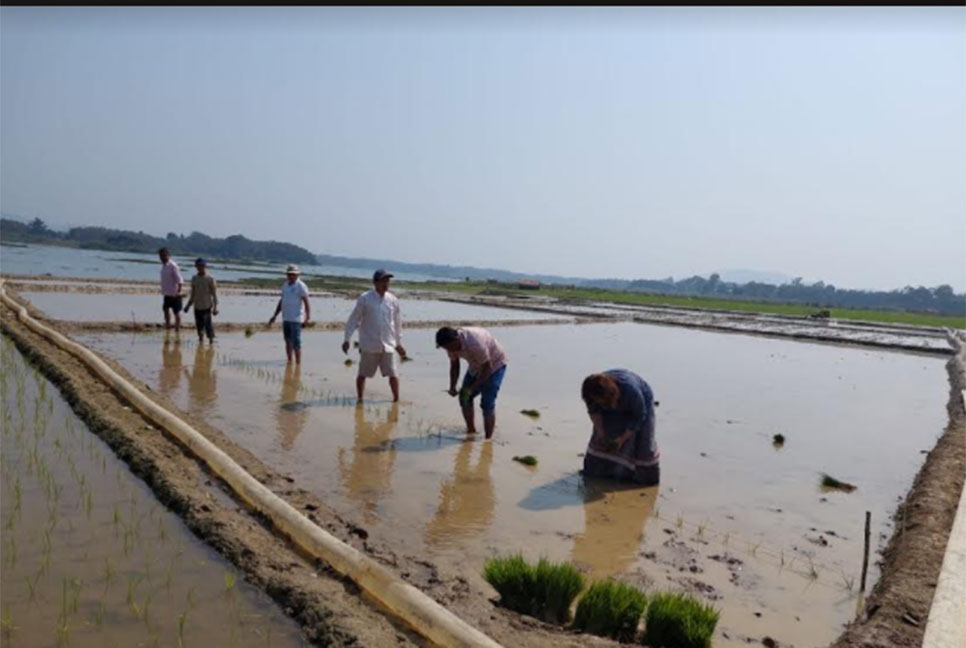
<point>528,284</point>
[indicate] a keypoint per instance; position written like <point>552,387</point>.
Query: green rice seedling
<point>532,413</point>
<point>348,362</point>
<point>6,621</point>
<point>677,620</point>
<point>132,585</point>
<point>848,582</point>
<point>181,619</point>
<point>76,586</point>
<point>99,615</point>
<point>679,521</point>
<point>812,572</point>
<point>31,592</point>
<point>526,460</point>
<point>702,528</point>
<point>831,483</point>
<point>229,580</point>
<point>249,331</point>
<point>610,609</point>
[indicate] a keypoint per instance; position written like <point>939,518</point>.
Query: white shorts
<point>386,362</point>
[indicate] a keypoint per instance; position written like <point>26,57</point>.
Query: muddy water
<point>242,308</point>
<point>735,519</point>
<point>89,556</point>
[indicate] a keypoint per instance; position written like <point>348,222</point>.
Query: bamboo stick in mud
<point>865,553</point>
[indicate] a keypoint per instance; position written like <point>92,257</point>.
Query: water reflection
<point>615,515</point>
<point>466,500</point>
<point>292,414</point>
<point>169,377</point>
<point>368,478</point>
<point>202,386</point>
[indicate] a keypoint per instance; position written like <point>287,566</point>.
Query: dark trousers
<point>203,323</point>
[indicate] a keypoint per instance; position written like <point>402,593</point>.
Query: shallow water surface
<point>735,519</point>
<point>99,307</point>
<point>90,558</point>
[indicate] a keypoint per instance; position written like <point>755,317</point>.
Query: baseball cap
<point>200,261</point>
<point>381,274</point>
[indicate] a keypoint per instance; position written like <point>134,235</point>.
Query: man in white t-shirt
<point>377,317</point>
<point>294,294</point>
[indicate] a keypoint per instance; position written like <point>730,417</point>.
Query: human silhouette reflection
<point>202,387</point>
<point>615,515</point>
<point>292,414</point>
<point>368,477</point>
<point>466,500</point>
<point>170,375</point>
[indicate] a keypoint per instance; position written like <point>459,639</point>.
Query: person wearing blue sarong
<point>621,407</point>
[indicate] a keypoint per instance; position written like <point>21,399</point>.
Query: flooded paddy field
<point>234,307</point>
<point>90,557</point>
<point>735,519</point>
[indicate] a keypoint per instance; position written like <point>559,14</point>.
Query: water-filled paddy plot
<point>737,520</point>
<point>90,558</point>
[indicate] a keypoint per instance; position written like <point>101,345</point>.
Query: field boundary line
<point>946,625</point>
<point>409,604</point>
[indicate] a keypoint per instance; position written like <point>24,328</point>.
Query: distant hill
<point>104,238</point>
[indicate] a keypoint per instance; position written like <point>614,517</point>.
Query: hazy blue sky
<point>634,142</point>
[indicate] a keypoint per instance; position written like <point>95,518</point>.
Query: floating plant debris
<point>532,413</point>
<point>831,483</point>
<point>527,460</point>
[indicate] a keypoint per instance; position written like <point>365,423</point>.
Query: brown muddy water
<point>735,519</point>
<point>83,307</point>
<point>90,558</point>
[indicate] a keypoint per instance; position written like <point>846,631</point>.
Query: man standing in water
<point>377,317</point>
<point>487,365</point>
<point>171,285</point>
<point>294,294</point>
<point>204,296</point>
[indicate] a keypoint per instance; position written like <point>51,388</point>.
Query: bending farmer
<point>621,407</point>
<point>486,365</point>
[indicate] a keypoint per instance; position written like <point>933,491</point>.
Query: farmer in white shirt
<point>377,317</point>
<point>295,294</point>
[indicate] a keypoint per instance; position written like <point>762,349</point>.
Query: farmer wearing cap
<point>171,285</point>
<point>622,446</point>
<point>377,317</point>
<point>486,366</point>
<point>294,294</point>
<point>204,296</point>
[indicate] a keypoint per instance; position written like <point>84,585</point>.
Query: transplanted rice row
<point>87,554</point>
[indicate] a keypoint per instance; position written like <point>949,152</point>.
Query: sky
<point>636,142</point>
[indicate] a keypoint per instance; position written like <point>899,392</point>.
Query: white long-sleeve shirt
<point>378,320</point>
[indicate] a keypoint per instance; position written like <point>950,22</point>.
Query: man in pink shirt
<point>484,375</point>
<point>171,285</point>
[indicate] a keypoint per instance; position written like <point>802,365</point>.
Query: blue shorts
<point>489,390</point>
<point>292,331</point>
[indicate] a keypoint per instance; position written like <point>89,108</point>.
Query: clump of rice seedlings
<point>778,440</point>
<point>406,358</point>
<point>527,460</point>
<point>679,621</point>
<point>544,591</point>
<point>532,413</point>
<point>610,609</point>
<point>831,483</point>
<point>348,362</point>
<point>249,331</point>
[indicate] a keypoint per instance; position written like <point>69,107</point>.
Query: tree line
<point>105,238</point>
